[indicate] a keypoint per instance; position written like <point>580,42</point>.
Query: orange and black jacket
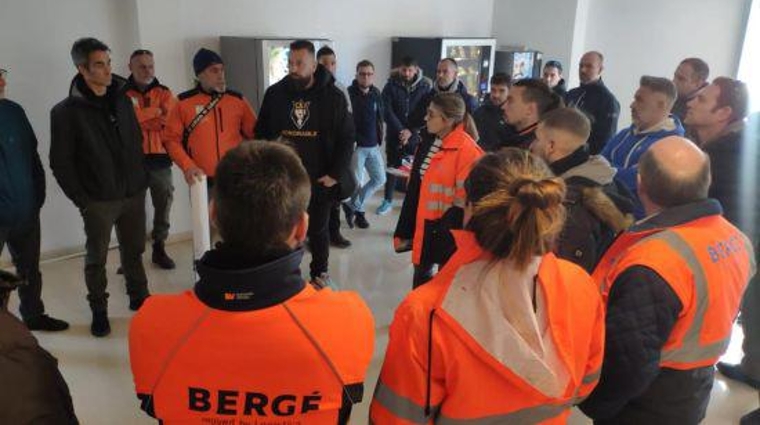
<point>230,122</point>
<point>251,343</point>
<point>152,106</point>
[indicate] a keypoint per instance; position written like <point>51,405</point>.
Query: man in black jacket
<point>528,100</point>
<point>552,76</point>
<point>306,109</point>
<point>493,129</point>
<point>690,77</point>
<point>22,193</point>
<point>598,207</point>
<point>96,156</point>
<point>595,100</point>
<point>717,116</point>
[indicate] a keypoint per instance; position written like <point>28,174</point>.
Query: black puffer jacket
<point>96,145</point>
<point>32,390</point>
<point>602,108</point>
<point>399,100</point>
<point>417,117</point>
<point>493,129</point>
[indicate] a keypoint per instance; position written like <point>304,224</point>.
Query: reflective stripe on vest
<point>401,406</point>
<point>592,377</point>
<point>445,190</point>
<point>691,350</point>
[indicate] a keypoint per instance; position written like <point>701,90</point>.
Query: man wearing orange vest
<point>208,121</point>
<point>253,342</point>
<point>673,284</point>
<point>153,101</point>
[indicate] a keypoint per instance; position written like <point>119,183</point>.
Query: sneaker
<point>337,240</point>
<point>44,322</point>
<point>361,220</point>
<point>323,281</point>
<point>735,372</point>
<point>161,258</point>
<point>136,303</point>
<point>100,326</point>
<point>349,213</point>
<point>384,208</point>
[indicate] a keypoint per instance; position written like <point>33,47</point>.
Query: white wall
<point>652,36</point>
<point>36,36</point>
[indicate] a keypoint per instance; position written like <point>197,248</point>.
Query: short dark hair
<point>451,61</point>
<point>660,85</point>
<point>140,52</point>
<point>667,190</point>
<point>303,45</point>
<point>700,67</point>
<point>734,94</point>
<point>325,51</point>
<point>501,79</point>
<point>408,61</point>
<point>554,64</point>
<point>261,192</point>
<point>364,63</point>
<point>568,119</point>
<point>80,51</point>
<point>538,92</point>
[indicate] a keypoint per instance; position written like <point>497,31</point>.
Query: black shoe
<point>161,258</point>
<point>100,326</point>
<point>349,213</point>
<point>735,372</point>
<point>361,220</point>
<point>120,270</point>
<point>339,241</point>
<point>44,322</point>
<point>136,303</point>
<point>751,418</point>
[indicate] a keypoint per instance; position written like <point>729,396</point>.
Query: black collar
<point>578,157</point>
<point>681,214</point>
<point>252,288</point>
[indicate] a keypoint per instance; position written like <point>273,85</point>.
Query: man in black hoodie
<point>96,157</point>
<point>493,129</point>
<point>306,109</point>
<point>596,101</point>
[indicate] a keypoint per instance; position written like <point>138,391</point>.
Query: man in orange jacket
<point>253,341</point>
<point>672,284</point>
<point>153,101</point>
<point>208,120</point>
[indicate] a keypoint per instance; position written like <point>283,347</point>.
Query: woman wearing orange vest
<point>442,169</point>
<point>506,332</point>
<point>253,343</point>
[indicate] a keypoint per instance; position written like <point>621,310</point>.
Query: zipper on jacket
<point>221,120</point>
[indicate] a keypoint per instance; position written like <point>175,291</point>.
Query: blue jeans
<point>372,160</point>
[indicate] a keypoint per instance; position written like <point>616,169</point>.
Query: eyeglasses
<point>3,73</point>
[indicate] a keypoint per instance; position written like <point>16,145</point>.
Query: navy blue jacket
<point>399,100</point>
<point>368,115</point>
<point>22,178</point>
<point>602,108</point>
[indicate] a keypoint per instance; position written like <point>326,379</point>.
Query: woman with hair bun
<point>506,332</point>
<point>441,168</point>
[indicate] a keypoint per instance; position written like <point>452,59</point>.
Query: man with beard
<point>405,89</point>
<point>306,109</point>
<point>492,125</point>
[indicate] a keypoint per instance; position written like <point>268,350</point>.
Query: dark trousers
<point>162,196</point>
<point>751,326</point>
<point>390,186</point>
<point>334,224</point>
<point>100,217</point>
<point>322,201</point>
<point>422,274</point>
<point>24,245</point>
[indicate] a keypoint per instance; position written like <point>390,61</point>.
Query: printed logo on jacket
<point>245,403</point>
<point>299,115</point>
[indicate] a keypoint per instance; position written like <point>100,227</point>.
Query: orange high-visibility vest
<point>435,372</point>
<point>293,362</point>
<point>442,186</point>
<point>230,122</point>
<point>152,108</point>
<point>707,263</point>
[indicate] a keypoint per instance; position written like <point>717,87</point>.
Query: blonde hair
<point>452,108</point>
<point>517,205</point>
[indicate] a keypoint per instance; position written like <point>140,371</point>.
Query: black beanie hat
<point>205,58</point>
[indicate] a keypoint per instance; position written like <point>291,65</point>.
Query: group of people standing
<point>535,290</point>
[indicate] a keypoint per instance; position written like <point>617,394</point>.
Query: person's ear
<point>301,228</point>
<point>212,212</point>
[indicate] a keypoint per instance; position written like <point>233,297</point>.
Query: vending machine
<point>253,64</point>
<point>475,57</point>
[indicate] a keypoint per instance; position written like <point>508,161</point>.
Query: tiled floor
<point>97,370</point>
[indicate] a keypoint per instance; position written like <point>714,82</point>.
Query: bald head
<point>673,172</point>
<point>591,66</point>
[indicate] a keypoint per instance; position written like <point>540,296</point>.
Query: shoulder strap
<point>197,120</point>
